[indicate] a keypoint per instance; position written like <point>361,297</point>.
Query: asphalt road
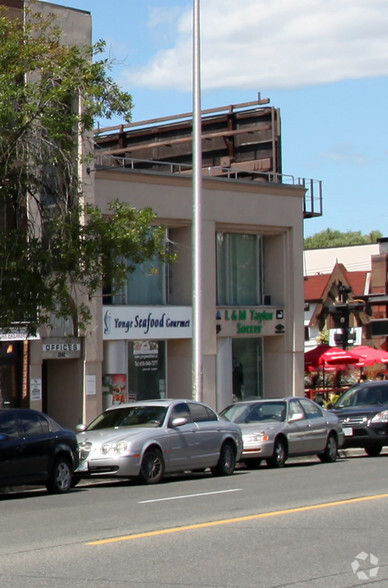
<point>307,525</point>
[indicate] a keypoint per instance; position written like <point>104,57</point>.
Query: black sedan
<point>35,450</point>
<point>363,412</point>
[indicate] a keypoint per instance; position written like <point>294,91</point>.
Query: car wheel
<point>226,462</point>
<point>152,467</point>
<point>279,456</point>
<point>60,478</point>
<point>374,450</point>
<point>331,450</point>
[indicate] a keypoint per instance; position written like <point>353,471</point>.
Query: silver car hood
<point>260,426</point>
<point>113,434</point>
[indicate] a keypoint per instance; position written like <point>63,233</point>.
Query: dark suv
<point>35,450</point>
<point>363,411</point>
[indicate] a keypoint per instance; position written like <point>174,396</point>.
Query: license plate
<point>348,431</point>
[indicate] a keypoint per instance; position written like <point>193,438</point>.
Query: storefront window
<point>247,360</point>
<point>239,269</point>
<point>146,370</point>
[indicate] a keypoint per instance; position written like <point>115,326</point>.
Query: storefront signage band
<point>128,323</point>
<point>18,335</point>
<point>232,322</point>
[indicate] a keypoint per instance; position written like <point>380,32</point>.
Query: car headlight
<point>380,417</point>
<point>120,447</point>
<point>106,448</point>
<point>256,438</point>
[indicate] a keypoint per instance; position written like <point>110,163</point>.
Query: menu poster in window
<point>146,355</point>
<point>119,386</point>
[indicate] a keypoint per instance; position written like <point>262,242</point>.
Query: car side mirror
<point>80,428</point>
<point>179,421</point>
<point>298,416</point>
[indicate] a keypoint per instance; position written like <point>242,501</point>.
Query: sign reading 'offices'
<point>146,322</point>
<point>61,348</point>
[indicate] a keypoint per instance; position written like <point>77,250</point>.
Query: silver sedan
<point>278,428</point>
<point>148,439</point>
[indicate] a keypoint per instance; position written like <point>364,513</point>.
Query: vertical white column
<point>197,359</point>
<point>115,357</point>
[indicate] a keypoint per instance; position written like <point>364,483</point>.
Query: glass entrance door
<point>247,364</point>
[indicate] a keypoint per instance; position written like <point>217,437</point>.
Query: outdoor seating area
<point>330,371</point>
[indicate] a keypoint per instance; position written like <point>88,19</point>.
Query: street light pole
<point>197,353</point>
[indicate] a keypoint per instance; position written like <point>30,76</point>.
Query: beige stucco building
<point>263,338</point>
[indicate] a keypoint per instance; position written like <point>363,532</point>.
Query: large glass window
<point>146,285</point>
<point>146,369</point>
<point>239,269</point>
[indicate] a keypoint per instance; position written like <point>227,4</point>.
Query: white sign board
<point>355,337</point>
<point>36,389</point>
<point>91,389</point>
<point>146,322</point>
<point>17,334</point>
<point>61,348</point>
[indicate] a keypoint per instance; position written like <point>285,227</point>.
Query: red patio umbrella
<point>370,355</point>
<point>324,355</point>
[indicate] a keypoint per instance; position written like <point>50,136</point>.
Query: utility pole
<point>197,353</point>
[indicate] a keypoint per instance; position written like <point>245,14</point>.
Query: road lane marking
<point>189,496</point>
<point>237,519</point>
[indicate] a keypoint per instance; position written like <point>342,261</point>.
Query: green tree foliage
<point>333,238</point>
<point>54,250</point>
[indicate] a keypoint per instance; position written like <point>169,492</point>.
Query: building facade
<point>252,292</point>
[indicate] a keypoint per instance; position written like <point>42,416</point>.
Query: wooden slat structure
<point>243,138</point>
<point>243,133</point>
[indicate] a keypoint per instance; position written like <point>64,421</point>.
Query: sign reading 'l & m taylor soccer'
<point>146,322</point>
<point>248,322</point>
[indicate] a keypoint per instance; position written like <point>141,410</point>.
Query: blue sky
<point>324,63</point>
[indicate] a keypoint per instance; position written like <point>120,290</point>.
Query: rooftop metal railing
<point>313,196</point>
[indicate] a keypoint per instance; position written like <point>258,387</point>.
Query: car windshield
<point>256,412</point>
<point>363,396</point>
<point>130,416</point>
